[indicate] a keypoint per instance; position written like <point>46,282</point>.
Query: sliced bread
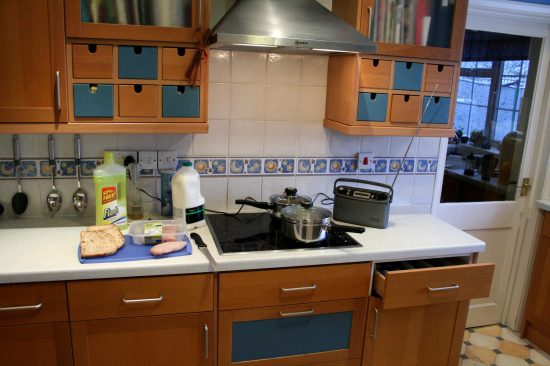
<point>96,244</point>
<point>110,229</point>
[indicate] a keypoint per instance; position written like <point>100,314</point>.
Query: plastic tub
<point>150,232</point>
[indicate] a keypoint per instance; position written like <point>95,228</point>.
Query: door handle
<point>446,288</point>
<point>297,313</point>
<point>58,91</point>
<point>24,307</point>
<point>140,301</point>
<point>294,289</point>
<point>206,342</point>
<point>374,333</point>
<point>369,29</point>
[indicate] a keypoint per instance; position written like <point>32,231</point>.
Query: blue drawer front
<point>407,76</point>
<point>91,101</point>
<point>437,111</point>
<point>372,107</point>
<point>271,338</point>
<point>180,101</point>
<point>136,62</point>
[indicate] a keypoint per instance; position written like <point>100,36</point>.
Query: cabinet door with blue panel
<point>372,107</point>
<point>137,62</point>
<point>302,334</point>
<point>93,100</point>
<point>435,110</point>
<point>407,75</point>
<point>181,101</point>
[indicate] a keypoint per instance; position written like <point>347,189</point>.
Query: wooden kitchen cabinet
<point>34,328</point>
<point>298,316</point>
<point>536,323</point>
<point>418,310</point>
<point>32,62</point>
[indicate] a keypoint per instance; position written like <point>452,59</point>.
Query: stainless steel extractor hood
<point>286,26</point>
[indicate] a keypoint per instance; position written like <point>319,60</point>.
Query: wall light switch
<point>147,159</point>
<point>365,161</point>
<point>167,160</point>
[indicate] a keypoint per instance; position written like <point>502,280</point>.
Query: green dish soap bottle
<point>110,193</point>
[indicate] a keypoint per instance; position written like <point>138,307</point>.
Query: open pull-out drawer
<point>431,281</point>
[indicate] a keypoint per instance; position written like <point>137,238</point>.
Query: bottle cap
<point>187,163</point>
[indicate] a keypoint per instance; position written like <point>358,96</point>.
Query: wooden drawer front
<point>440,75</point>
<point>293,334</point>
<point>436,111</point>
<point>137,62</point>
<point>407,76</point>
<point>33,303</point>
<point>375,73</point>
<point>181,101</point>
<point>405,108</point>
<point>93,100</point>
<point>293,286</point>
<point>138,100</point>
<point>372,107</point>
<point>546,225</point>
<point>176,62</point>
<point>99,299</point>
<point>417,287</point>
<point>92,61</point>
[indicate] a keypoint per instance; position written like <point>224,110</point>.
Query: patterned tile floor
<point>497,345</point>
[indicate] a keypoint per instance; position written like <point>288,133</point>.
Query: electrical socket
<point>120,155</point>
<point>167,160</point>
<point>365,162</point>
<point>147,159</point>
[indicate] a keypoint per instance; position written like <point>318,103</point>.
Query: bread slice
<point>111,229</point>
<point>97,244</point>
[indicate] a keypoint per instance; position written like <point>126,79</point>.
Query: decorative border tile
<point>395,165</point>
<point>7,169</point>
<point>279,166</point>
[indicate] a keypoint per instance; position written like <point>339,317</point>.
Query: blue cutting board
<point>135,252</point>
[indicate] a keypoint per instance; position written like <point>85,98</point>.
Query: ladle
<point>20,200</point>
<point>80,198</point>
<point>53,199</point>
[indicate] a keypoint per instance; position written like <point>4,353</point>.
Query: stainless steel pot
<point>308,224</point>
<point>278,201</point>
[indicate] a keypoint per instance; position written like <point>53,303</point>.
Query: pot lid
<point>289,197</point>
<point>306,214</point>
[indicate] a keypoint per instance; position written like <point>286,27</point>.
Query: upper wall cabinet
<point>430,29</point>
<point>174,21</point>
<point>32,61</point>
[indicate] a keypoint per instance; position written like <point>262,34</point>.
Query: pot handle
<point>365,182</point>
<point>346,228</point>
<point>257,204</point>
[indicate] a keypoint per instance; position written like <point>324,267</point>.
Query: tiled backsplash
<point>266,133</point>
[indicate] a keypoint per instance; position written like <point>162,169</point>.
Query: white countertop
<point>50,254</point>
<point>544,205</point>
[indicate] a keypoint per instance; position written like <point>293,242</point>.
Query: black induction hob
<point>254,232</point>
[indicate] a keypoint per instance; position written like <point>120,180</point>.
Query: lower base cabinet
<point>175,340</point>
<point>47,344</point>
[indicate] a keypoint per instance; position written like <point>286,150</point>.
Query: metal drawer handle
<point>375,328</point>
<point>436,289</point>
<point>25,307</point>
<point>57,91</point>
<point>297,313</point>
<point>206,341</point>
<point>369,31</point>
<point>200,14</point>
<point>294,289</point>
<point>139,301</point>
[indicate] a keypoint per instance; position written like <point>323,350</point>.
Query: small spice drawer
<point>436,111</point>
<point>375,73</point>
<point>407,75</point>
<point>93,100</point>
<point>138,100</point>
<point>91,61</point>
<point>433,281</point>
<point>176,62</point>
<point>405,108</point>
<point>440,76</point>
<point>239,290</point>
<point>32,303</point>
<point>137,62</point>
<point>129,297</point>
<point>180,101</point>
<point>372,107</point>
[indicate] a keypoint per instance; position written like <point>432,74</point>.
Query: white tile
<point>312,104</point>
<point>399,144</point>
<point>282,103</point>
<point>248,67</point>
<point>214,191</point>
<point>93,145</point>
<point>31,187</point>
<point>280,139</point>
<point>219,63</point>
<point>88,186</point>
<point>484,341</point>
<point>247,101</point>
<point>311,185</point>
<point>407,209</point>
<point>6,148</point>
<point>506,360</point>
<point>314,70</point>
<point>428,146</point>
<point>34,146</point>
<point>539,357</point>
<point>423,189</point>
<point>64,146</point>
<point>329,191</point>
<point>180,143</point>
<point>213,143</point>
<point>276,185</point>
<point>219,98</point>
<point>283,69</point>
<point>402,189</point>
<point>246,138</point>
<point>242,187</point>
<point>135,142</point>
<point>313,139</point>
<point>378,145</point>
<point>343,145</point>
